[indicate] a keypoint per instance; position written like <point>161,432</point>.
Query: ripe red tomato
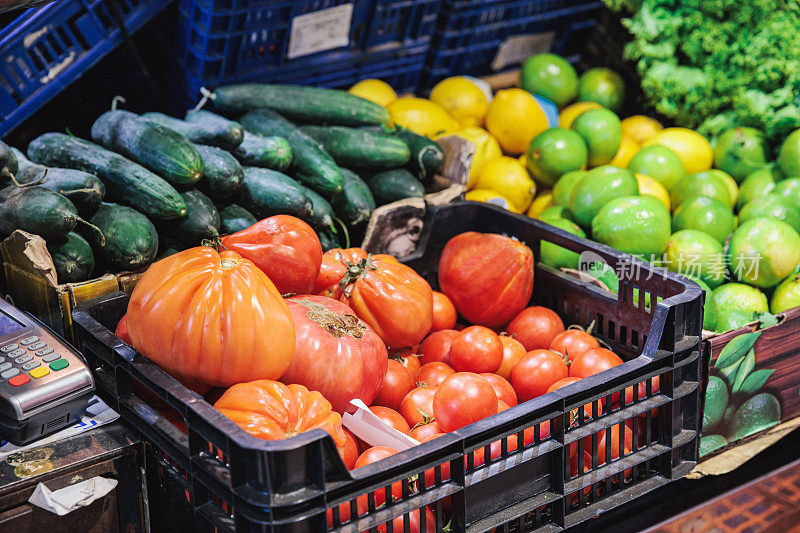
<point>573,343</point>
<point>488,277</point>
<point>122,330</point>
<point>478,457</point>
<point>407,359</point>
<point>373,455</point>
<point>422,432</point>
<point>462,399</point>
<point>612,444</point>
<point>476,349</point>
<point>349,451</point>
<point>391,418</point>
<point>502,406</point>
<point>414,522</point>
<point>333,269</point>
<point>417,406</point>
<point>432,374</point>
<point>436,346</point>
<point>444,312</point>
<point>593,361</point>
<point>336,353</point>
<point>512,351</point>
<point>284,247</point>
<point>535,372</point>
<point>503,389</point>
<point>396,384</point>
<point>535,327</point>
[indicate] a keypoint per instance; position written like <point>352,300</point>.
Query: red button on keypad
<point>22,379</point>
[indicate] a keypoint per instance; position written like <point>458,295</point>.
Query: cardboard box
<point>31,284</point>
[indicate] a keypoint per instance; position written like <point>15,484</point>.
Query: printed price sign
<point>321,30</point>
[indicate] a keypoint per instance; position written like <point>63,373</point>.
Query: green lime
<point>772,205</point>
<point>736,303</point>
<point>598,187</point>
<point>715,403</point>
<point>551,76</point>
<point>562,190</point>
<point>558,256</point>
<point>694,253</point>
<point>733,188</point>
<point>709,307</point>
<point>555,212</point>
<point>602,133</point>
<point>709,443</point>
<point>603,86</point>
<point>789,189</point>
<point>756,414</point>
<point>757,183</point>
<point>789,155</point>
<point>708,215</point>
<point>637,225</point>
<point>700,184</point>
<point>740,151</point>
<point>764,251</point>
<point>660,163</point>
<point>555,152</point>
<point>786,295</point>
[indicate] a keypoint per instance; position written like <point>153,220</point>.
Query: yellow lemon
<point>523,160</point>
<point>486,148</point>
<point>651,187</point>
<point>571,112</point>
<point>421,116</point>
<point>508,177</point>
<point>515,118</point>
<point>489,197</point>
<point>693,149</point>
<point>377,91</point>
<point>641,128</point>
<point>542,201</point>
<point>627,149</point>
<point>461,98</point>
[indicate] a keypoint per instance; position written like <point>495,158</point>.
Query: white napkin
<point>66,500</point>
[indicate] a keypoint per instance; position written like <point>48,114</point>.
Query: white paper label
<point>518,48</point>
<point>368,427</point>
<point>320,30</point>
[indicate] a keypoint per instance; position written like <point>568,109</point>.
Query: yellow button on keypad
<point>39,372</point>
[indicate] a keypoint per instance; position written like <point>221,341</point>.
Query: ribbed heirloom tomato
<point>488,277</point>
<point>284,247</point>
<point>336,353</point>
<point>210,317</point>
<point>333,269</point>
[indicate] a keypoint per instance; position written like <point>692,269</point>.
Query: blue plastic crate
<point>229,41</point>
<point>471,32</point>
<point>45,49</point>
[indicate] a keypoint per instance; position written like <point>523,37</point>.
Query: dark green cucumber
<point>201,221</point>
<point>164,151</point>
<point>269,152</point>
<point>131,241</point>
<point>36,210</point>
<point>125,180</point>
<point>9,166</point>
<point>200,132</point>
<point>313,105</point>
<point>312,165</point>
<point>233,218</point>
<point>72,256</point>
<point>323,215</point>
<point>360,148</point>
<point>392,185</point>
<point>228,134</point>
<point>83,189</point>
<point>328,240</point>
<point>355,203</point>
<point>168,247</point>
<point>223,174</point>
<point>268,192</point>
<point>427,156</point>
<point>22,161</point>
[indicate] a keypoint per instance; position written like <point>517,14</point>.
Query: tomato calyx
<point>426,419</point>
<point>214,242</point>
<point>355,271</point>
<point>563,356</point>
<point>336,326</point>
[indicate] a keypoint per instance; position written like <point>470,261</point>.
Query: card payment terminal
<point>44,383</point>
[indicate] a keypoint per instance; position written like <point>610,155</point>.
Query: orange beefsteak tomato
<point>488,277</point>
<point>285,248</point>
<point>212,318</point>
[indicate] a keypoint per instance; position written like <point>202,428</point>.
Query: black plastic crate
<point>228,479</point>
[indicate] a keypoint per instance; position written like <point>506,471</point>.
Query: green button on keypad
<point>59,365</point>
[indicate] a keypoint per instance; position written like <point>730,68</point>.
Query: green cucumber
<point>72,256</point>
<point>234,217</point>
<point>168,247</point>
<point>328,241</point>
<point>164,151</point>
<point>83,189</point>
<point>200,132</point>
<point>125,180</point>
<point>312,165</point>
<point>313,105</point>
<point>229,134</point>
<point>131,241</point>
<point>223,174</point>
<point>427,156</point>
<point>393,185</point>
<point>268,192</point>
<point>359,148</point>
<point>201,222</point>
<point>22,161</point>
<point>269,152</point>
<point>355,203</point>
<point>323,215</point>
<point>9,166</point>
<point>36,210</point>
